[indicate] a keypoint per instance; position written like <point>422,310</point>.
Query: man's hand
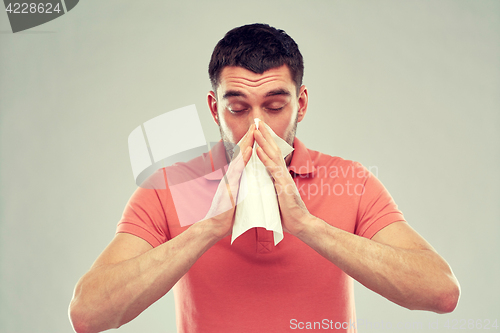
<point>220,217</point>
<point>293,210</point>
<point>397,263</point>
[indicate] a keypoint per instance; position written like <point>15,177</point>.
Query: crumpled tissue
<point>259,206</point>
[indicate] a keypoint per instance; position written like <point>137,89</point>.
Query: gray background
<point>410,87</point>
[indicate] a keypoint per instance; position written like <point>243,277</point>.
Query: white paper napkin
<point>259,206</point>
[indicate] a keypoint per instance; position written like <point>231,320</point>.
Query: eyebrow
<point>278,92</point>
<point>233,93</point>
<point>236,93</point>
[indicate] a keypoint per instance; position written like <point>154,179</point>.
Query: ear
<point>302,101</point>
<point>212,105</point>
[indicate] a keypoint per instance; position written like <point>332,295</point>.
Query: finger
<point>270,165</point>
<point>234,173</point>
<point>269,147</point>
<point>222,201</point>
<point>246,155</point>
<point>235,169</point>
<point>248,139</point>
<point>245,142</point>
<point>266,133</point>
<point>278,171</point>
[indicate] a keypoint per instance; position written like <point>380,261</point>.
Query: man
<point>353,229</point>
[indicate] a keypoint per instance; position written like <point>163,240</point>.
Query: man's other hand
<point>293,210</point>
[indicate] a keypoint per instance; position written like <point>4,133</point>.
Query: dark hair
<point>258,48</point>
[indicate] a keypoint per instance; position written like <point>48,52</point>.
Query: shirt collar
<point>215,161</point>
<point>301,163</point>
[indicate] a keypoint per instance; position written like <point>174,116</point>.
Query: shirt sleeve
<point>376,208</point>
<point>144,216</point>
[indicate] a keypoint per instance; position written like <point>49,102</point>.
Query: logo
<point>28,14</point>
<point>170,152</point>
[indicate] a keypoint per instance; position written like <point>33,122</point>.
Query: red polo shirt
<point>252,285</point>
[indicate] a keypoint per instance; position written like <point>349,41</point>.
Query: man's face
<point>243,95</point>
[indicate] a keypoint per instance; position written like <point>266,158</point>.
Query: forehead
<point>235,78</point>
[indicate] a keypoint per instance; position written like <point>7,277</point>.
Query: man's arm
<point>130,275</point>
<point>397,263</point>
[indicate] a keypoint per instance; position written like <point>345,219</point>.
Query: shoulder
<point>335,166</point>
<point>319,158</point>
<point>314,165</point>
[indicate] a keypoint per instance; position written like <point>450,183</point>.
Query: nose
<point>256,113</point>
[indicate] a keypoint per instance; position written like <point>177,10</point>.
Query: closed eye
<point>237,110</point>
